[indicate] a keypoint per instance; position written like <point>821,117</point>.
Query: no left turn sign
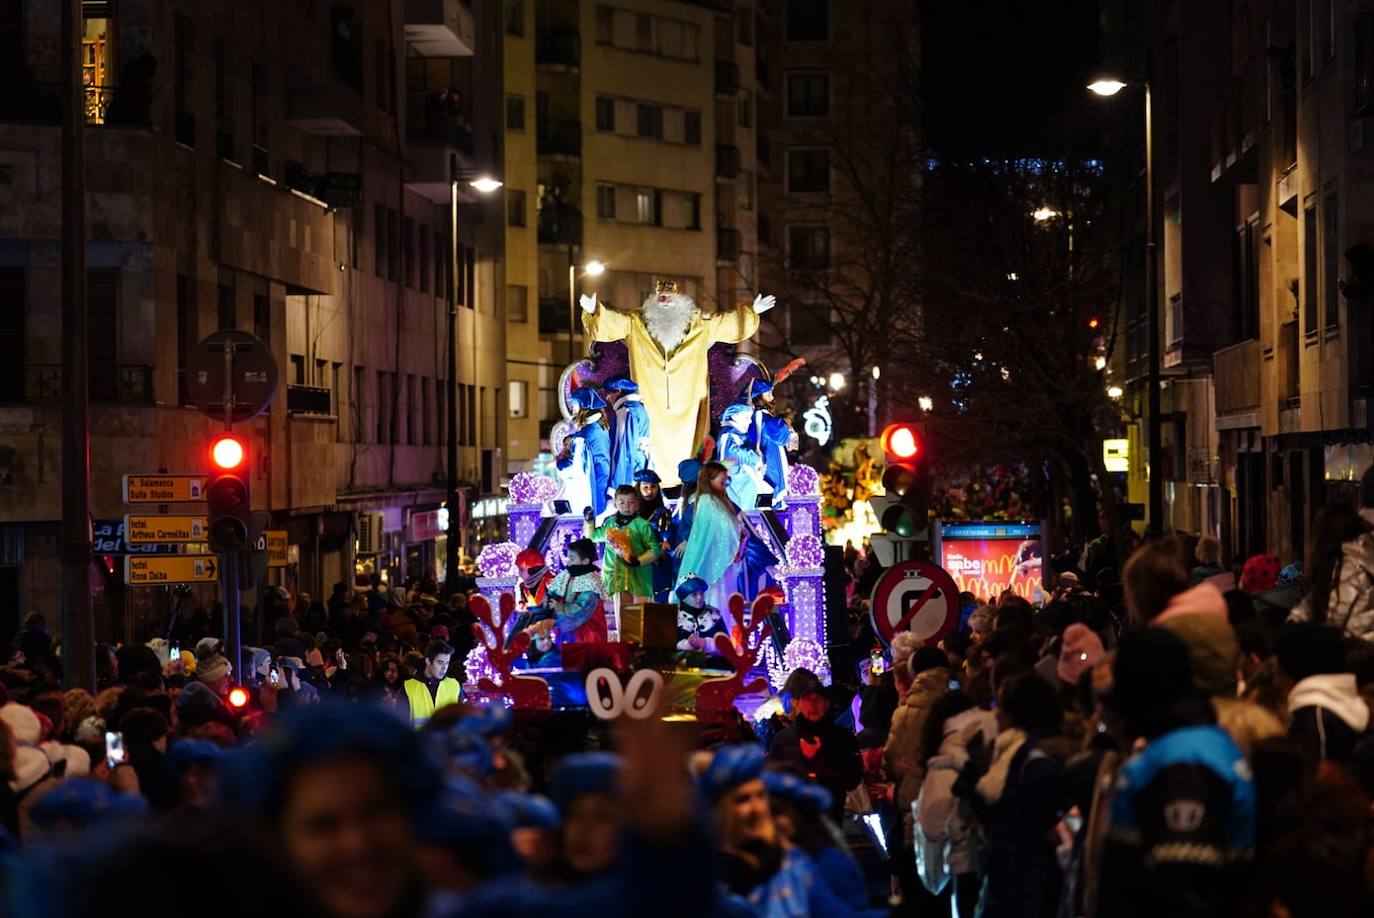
<point>915,596</point>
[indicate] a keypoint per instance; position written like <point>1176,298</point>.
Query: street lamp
<point>1110,86</point>
<point>594,268</point>
<point>926,402</point>
<point>482,184</point>
<point>1042,214</point>
<point>836,381</point>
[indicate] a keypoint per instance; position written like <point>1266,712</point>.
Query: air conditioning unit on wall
<point>369,533</point>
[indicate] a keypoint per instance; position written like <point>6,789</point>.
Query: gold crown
<point>668,286</point>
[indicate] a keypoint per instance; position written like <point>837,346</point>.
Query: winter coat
<point>1327,717</point>
<point>1182,829</point>
<point>903,748</point>
<point>1350,606</point>
<point>1020,799</point>
<point>937,808</point>
<point>836,766</point>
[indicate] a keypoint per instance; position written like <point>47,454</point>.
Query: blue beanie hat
<point>529,811</point>
<point>730,767</point>
<point>759,387</point>
<point>802,794</point>
<point>691,585</point>
<point>584,773</point>
<point>468,821</point>
<point>187,752</point>
<point>586,399</point>
<point>85,803</point>
<point>255,779</point>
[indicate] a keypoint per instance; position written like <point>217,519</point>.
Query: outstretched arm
<point>738,324</point>
<point>604,324</point>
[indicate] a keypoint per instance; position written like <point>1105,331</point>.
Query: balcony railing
<point>560,225</point>
<point>555,137</point>
<point>430,122</point>
<point>39,382</point>
<point>41,103</point>
<point>727,161</point>
<point>728,244</point>
<point>558,48</point>
<point>727,78</point>
<point>315,400</point>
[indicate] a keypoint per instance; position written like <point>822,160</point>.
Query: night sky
<point>1008,76</point>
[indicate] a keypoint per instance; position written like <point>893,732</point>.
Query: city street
<point>776,458</point>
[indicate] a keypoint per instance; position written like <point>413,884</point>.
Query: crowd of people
<point>1176,738</point>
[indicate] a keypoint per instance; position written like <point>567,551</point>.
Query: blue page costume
<point>629,432</point>
<point>585,466</point>
<point>746,473</point>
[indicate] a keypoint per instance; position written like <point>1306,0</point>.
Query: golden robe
<point>674,387</point>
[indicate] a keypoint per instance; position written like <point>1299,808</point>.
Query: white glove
<point>764,303</point>
<point>588,302</point>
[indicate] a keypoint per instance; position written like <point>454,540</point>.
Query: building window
<point>746,109</point>
<point>605,201</point>
<point>644,32</point>
<point>808,169</point>
<point>692,210</point>
<point>745,190</point>
<point>424,258</point>
<point>1331,260</point>
<point>646,206</point>
<point>691,128</point>
<point>744,26</point>
<point>808,246</point>
<point>393,244</point>
<point>359,405</point>
<point>441,259</point>
<point>1309,278</point>
<point>519,398</point>
<point>410,409</point>
<point>1247,279</point>
<point>408,254</point>
<point>605,25</point>
<point>605,114</point>
<point>226,311</point>
<point>262,318</point>
<point>426,416</point>
<point>1364,62</point>
<point>515,113</point>
<point>515,207</point>
<point>518,302</point>
<point>297,369</point>
<point>379,237</point>
<point>188,334</point>
<point>515,17</point>
<point>808,95</point>
<point>649,120</point>
<point>383,409</point>
<point>808,20</point>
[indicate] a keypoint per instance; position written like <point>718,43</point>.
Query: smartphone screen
<point>174,652</point>
<point>274,676</point>
<point>877,663</point>
<point>114,749</point>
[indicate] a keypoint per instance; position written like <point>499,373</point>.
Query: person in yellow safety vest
<point>436,689</point>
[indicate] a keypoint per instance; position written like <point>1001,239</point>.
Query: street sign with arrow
<point>157,570</point>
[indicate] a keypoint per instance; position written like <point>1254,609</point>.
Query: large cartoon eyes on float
<point>638,699</point>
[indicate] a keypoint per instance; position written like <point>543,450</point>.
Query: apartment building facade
<point>630,138</point>
<point>281,168</point>
<point>1264,163</point>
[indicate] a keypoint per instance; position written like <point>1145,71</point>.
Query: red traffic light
<point>901,441</point>
<point>227,452</point>
<point>238,697</point>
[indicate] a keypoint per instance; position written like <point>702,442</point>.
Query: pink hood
<point>1203,599</point>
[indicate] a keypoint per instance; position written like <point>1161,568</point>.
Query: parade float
<point>687,376</point>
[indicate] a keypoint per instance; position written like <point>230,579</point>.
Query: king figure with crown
<point>668,340</point>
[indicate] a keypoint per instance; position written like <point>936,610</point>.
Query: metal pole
<point>572,304</point>
<point>78,623</point>
<point>1153,447</point>
<point>451,498</point>
<point>233,636</point>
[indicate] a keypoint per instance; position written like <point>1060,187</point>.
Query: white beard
<point>668,323</point>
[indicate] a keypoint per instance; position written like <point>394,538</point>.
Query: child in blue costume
<point>771,436</point>
<point>746,479</point>
<point>629,430</point>
<point>655,512</point>
<point>585,460</point>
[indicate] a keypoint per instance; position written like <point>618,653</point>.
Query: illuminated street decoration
<point>816,421</point>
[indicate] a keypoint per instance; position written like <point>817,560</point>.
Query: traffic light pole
<point>229,560</point>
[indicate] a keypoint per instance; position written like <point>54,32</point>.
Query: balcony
<point>1236,370</point>
<point>437,132</point>
<point>560,225</point>
<point>555,137</point>
<point>325,110</point>
<point>727,161</point>
<point>42,382</point>
<point>727,79</point>
<point>314,400</point>
<point>728,246</point>
<point>440,28</point>
<point>41,103</point>
<point>559,49</point>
